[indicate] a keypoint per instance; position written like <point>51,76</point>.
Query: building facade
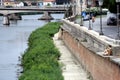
<point>48,2</point>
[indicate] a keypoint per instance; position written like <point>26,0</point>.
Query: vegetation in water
<point>40,60</point>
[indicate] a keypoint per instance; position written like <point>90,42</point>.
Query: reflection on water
<point>13,42</point>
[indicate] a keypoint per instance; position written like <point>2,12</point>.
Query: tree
<point>111,5</point>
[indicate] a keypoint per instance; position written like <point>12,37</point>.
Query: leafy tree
<point>111,5</point>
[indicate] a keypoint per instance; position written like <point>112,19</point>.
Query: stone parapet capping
<point>115,59</point>
<point>92,38</point>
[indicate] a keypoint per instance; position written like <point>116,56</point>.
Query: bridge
<point>46,10</point>
<point>6,11</point>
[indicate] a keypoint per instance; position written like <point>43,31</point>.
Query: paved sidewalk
<point>71,68</point>
<point>109,31</point>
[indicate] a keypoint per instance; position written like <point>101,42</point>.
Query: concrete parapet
<point>91,37</point>
<point>88,46</point>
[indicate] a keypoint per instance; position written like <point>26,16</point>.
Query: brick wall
<point>101,68</point>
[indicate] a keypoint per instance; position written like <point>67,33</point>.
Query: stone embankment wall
<point>87,46</point>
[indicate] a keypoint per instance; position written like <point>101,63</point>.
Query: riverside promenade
<point>109,31</point>
<point>88,47</point>
<point>72,70</point>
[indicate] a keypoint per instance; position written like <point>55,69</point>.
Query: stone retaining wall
<point>87,46</point>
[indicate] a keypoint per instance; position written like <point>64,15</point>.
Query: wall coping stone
<point>93,34</point>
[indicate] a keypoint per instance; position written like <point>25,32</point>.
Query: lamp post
<point>118,25</point>
<point>74,8</point>
<point>64,5</point>
<point>67,12</point>
<point>81,22</point>
<point>89,5</point>
<point>100,4</point>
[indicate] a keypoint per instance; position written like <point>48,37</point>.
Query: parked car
<point>111,19</point>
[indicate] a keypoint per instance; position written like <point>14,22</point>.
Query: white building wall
<point>46,3</point>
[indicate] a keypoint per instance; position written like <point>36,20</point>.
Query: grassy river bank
<point>40,60</point>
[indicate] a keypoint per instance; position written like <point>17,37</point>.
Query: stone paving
<point>72,70</point>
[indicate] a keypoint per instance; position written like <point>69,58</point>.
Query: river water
<point>13,43</point>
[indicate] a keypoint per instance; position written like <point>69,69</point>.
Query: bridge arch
<point>46,16</point>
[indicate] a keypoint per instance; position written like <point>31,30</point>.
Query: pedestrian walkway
<point>109,31</point>
<point>72,70</point>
